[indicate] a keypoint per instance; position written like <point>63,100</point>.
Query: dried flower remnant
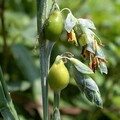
<point>96,57</point>
<point>72,37</point>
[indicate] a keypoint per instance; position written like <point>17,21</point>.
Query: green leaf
<point>103,67</point>
<point>88,34</point>
<point>28,68</point>
<point>99,53</point>
<point>80,66</point>
<point>56,114</point>
<point>6,105</point>
<point>3,100</point>
<point>88,87</point>
<point>85,81</point>
<point>70,22</point>
<point>95,36</point>
<point>90,47</point>
<point>7,114</point>
<point>82,40</point>
<point>86,23</point>
<point>94,97</point>
<point>4,96</point>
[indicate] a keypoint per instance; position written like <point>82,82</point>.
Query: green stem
<point>41,16</point>
<point>45,52</point>
<point>46,9</point>
<point>56,113</point>
<point>56,99</point>
<point>44,82</point>
<point>66,9</point>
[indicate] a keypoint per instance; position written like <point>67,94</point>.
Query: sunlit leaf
<point>70,22</point>
<point>95,36</point>
<point>81,67</point>
<point>86,23</point>
<point>89,35</point>
<point>90,47</point>
<point>99,53</point>
<point>82,40</point>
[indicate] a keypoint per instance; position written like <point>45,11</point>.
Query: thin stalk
<point>56,99</point>
<point>56,113</point>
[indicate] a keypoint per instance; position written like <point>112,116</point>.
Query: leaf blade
<point>103,68</point>
<point>86,23</point>
<point>88,87</point>
<point>81,67</point>
<point>70,22</point>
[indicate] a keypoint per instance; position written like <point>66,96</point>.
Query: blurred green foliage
<point>20,60</point>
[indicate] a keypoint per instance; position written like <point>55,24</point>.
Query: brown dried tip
<point>94,63</point>
<point>72,37</point>
<point>85,52</point>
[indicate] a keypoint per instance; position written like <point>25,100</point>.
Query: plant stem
<point>46,9</point>
<point>66,9</point>
<point>56,113</point>
<point>45,52</point>
<point>56,99</point>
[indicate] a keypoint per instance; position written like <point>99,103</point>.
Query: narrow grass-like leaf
<point>6,113</point>
<point>6,106</point>
<point>3,88</point>
<point>81,67</point>
<point>3,100</point>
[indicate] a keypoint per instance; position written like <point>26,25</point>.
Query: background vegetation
<point>19,59</point>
